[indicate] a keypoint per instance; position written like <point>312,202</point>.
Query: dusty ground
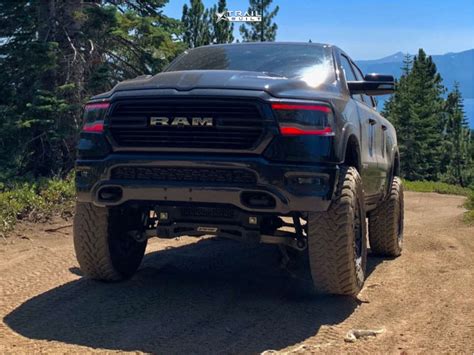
<point>217,296</point>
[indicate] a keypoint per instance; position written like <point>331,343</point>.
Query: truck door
<point>368,127</point>
<point>380,136</point>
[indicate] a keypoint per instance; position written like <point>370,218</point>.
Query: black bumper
<point>288,187</point>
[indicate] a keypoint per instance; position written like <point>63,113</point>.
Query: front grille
<point>195,175</point>
<point>236,124</point>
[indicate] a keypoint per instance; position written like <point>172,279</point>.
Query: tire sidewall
<point>400,212</point>
<point>360,204</point>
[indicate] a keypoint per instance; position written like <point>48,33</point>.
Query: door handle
<point>372,121</point>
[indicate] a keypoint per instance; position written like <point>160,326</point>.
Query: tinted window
<point>289,60</point>
<point>349,74</point>
<point>346,66</point>
<point>358,73</point>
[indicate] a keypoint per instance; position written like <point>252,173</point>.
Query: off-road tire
<point>386,223</point>
<point>103,248</point>
<point>337,242</point>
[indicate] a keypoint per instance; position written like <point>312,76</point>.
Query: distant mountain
<point>397,58</point>
<point>452,67</point>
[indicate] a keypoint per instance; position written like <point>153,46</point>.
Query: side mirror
<point>373,84</point>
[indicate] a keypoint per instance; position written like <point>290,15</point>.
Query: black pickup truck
<point>274,143</point>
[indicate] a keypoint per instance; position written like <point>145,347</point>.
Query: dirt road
<point>218,296</point>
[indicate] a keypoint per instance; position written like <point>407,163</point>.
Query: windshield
<point>310,62</point>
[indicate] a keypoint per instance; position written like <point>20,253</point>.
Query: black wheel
<point>386,223</point>
<point>337,245</point>
<point>104,249</point>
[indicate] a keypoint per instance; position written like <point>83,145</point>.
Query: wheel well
<point>396,165</point>
<point>352,154</point>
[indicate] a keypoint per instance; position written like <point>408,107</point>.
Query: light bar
<point>95,127</point>
<point>295,131</point>
<point>278,106</point>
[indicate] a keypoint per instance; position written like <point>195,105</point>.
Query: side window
<point>346,66</point>
<point>349,74</point>
<point>358,73</point>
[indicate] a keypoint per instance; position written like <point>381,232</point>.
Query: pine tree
<point>399,110</point>
<point>426,91</point>
<point>457,145</point>
<point>58,53</point>
<point>264,30</point>
<point>471,159</point>
<point>42,70</point>
<point>222,31</point>
<point>196,21</point>
<point>416,110</point>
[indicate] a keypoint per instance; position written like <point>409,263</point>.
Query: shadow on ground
<point>207,297</point>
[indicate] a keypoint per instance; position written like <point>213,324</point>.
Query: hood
<point>274,84</point>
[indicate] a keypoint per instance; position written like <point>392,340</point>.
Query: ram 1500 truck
<point>276,143</point>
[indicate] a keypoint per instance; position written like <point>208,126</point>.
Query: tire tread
<point>330,247</point>
<point>91,229</point>
<point>383,223</point>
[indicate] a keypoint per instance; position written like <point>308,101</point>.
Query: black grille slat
<point>196,175</point>
<point>195,139</point>
<point>179,106</point>
<point>124,111</point>
<point>184,135</point>
<point>236,125</point>
<point>165,138</point>
<point>197,145</point>
<point>177,131</point>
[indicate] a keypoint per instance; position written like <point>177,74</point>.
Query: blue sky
<point>369,29</point>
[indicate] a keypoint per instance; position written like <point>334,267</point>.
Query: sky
<point>369,29</point>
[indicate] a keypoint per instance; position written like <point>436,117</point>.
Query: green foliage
<point>436,186</point>
<point>469,215</point>
<point>35,201</point>
<point>470,201</point>
<point>433,135</point>
<point>59,53</point>
<point>222,31</point>
<point>196,22</point>
<point>458,157</point>
<point>33,108</point>
<point>200,26</point>
<point>264,30</point>
<point>141,44</point>
<point>415,111</point>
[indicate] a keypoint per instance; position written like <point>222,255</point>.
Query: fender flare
<point>395,161</point>
<point>349,131</point>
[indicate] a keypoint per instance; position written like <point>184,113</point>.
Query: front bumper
<point>293,187</point>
